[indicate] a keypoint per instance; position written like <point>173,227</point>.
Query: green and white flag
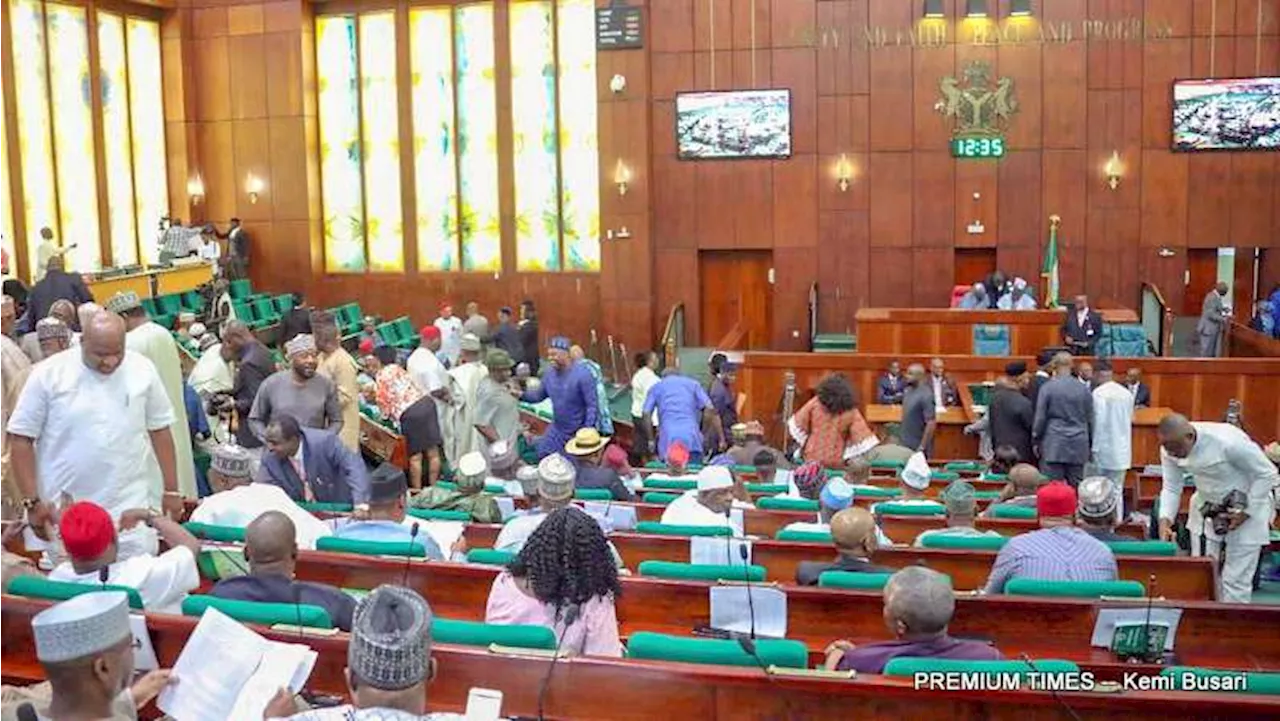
<point>1049,272</point>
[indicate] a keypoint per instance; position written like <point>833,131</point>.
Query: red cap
<point>677,453</point>
<point>1056,499</point>
<point>616,458</point>
<point>87,530</point>
<point>429,332</point>
<point>366,347</point>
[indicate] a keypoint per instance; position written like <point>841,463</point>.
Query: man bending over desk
<point>918,606</point>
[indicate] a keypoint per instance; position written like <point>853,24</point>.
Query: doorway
<point>1202,275</point>
<point>736,298</point>
<point>973,265</point>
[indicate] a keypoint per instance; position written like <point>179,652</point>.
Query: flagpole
<point>1049,269</point>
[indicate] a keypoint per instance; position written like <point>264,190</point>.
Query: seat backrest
<point>911,665</point>
<point>170,304</point>
<point>265,308</point>
<point>297,614</point>
<point>1008,510</point>
<point>387,331</point>
<point>240,289</point>
<point>804,536</point>
<point>890,508</point>
<point>318,507</point>
<point>490,556</point>
<point>659,497</point>
<point>963,466</point>
<point>41,587</point>
<point>853,579</point>
<point>1074,589</point>
<point>370,548</point>
<point>661,647</point>
<point>593,494</point>
<point>671,529</point>
<point>1143,548</point>
<point>1193,678</point>
<point>701,571</point>
<point>670,484</point>
<point>944,475</point>
<point>875,492</point>
<point>895,465</point>
<point>476,633</point>
<point>965,543</point>
<point>431,514</point>
<point>787,504</point>
<point>211,532</point>
<point>767,487</point>
<point>284,302</point>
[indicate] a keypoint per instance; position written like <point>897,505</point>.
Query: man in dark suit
<point>1012,415</point>
<point>527,335</point>
<point>253,365</point>
<point>1063,427</point>
<point>56,285</point>
<point>1141,391</point>
<point>1082,327</point>
<point>892,385</point>
<point>587,448</point>
<point>312,465</point>
<point>853,531</point>
<point>1041,376</point>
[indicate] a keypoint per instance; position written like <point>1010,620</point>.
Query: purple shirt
<point>873,657</point>
<point>679,401</point>
<point>1061,553</point>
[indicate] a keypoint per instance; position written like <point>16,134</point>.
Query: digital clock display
<point>977,148</point>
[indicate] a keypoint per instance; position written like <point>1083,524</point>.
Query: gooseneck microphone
<point>570,617</point>
<point>104,574</point>
<point>408,554</point>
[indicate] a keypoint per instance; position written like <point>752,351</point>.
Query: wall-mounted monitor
<point>733,124</point>
<point>1226,114</point>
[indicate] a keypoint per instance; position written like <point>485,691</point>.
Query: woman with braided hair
<point>564,578</point>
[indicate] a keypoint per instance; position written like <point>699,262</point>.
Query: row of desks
<point>629,690</point>
<point>151,283</point>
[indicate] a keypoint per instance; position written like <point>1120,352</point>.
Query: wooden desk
<point>950,331</point>
<point>104,289</point>
<point>630,690</point>
<point>1178,578</point>
<point>1210,634</point>
<point>382,443</point>
<point>182,278</point>
<point>1245,342</point>
<point>949,440</point>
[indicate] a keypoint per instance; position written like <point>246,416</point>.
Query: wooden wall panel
<point>890,175</point>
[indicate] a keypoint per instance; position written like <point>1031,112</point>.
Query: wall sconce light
<point>253,185</point>
<point>1020,8</point>
<point>1113,169</point>
<point>617,84</point>
<point>195,189</point>
<point>933,9</point>
<point>975,8</point>
<point>1166,252</point>
<point>621,176</point>
<point>844,173</point>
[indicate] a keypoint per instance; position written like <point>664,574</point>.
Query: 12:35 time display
<point>977,148</point>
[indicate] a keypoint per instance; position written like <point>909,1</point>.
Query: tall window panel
<point>115,135</point>
<point>146,114</point>
<point>579,148</point>
<point>381,139</point>
<point>6,207</point>
<point>341,181</point>
<point>434,137</point>
<point>534,141</point>
<point>69,89</point>
<point>480,216</point>
<point>35,146</point>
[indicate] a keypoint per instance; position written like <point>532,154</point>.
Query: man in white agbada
<point>450,327</point>
<point>95,424</point>
<point>237,500</point>
<point>1112,432</point>
<point>460,435</point>
<point>210,376</point>
<point>1017,298</point>
<point>154,342</point>
<point>1222,462</point>
<point>915,477</point>
<point>707,505</point>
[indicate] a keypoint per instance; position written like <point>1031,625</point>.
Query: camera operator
<point>1233,503</point>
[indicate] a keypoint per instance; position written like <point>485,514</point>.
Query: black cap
<point>1045,357</point>
<point>386,484</point>
<point>1014,369</point>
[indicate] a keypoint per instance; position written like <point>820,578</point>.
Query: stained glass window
<point>478,139</point>
<point>31,85</point>
<point>534,142</point>
<point>381,140</point>
<point>341,188</point>
<point>434,139</point>
<point>146,114</point>
<point>579,151</point>
<point>114,87</point>
<point>73,127</point>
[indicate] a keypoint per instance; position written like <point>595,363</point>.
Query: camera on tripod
<point>1220,513</point>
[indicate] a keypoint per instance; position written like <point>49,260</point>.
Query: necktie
<point>308,495</point>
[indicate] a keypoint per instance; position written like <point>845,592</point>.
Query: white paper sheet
<point>718,550</point>
<point>144,654</point>
<point>506,506</point>
<point>444,533</point>
<point>1105,627</point>
<point>617,517</point>
<point>731,609</point>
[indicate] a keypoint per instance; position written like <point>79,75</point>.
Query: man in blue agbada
<point>572,391</point>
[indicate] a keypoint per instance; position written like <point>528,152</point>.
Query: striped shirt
<point>1061,553</point>
<point>179,241</point>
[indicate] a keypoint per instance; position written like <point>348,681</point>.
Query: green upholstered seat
<point>370,548</point>
<point>787,504</point>
<point>284,303</point>
<point>701,571</point>
<point>986,495</point>
<point>671,529</point>
<point>300,614</point>
<point>170,304</point>
<point>670,484</point>
<point>476,633</point>
<point>661,647</point>
<point>1143,548</point>
<point>434,515</point>
<point>447,485</point>
<point>192,301</point>
<point>989,476</point>
<point>966,543</point>
<point>317,507</point>
<point>804,536</point>
<point>767,488</point>
<point>890,508</point>
<point>149,305</point>
<point>1005,510</point>
<point>41,587</point>
<point>853,579</point>
<point>876,492</point>
<point>910,666</point>
<point>832,473</point>
<point>944,475</point>
<point>240,289</point>
<point>265,309</point>
<point>740,468</point>
<point>490,556</point>
<point>208,531</point>
<point>593,494</point>
<point>963,466</point>
<point>888,464</point>
<point>1074,589</point>
<point>1254,681</point>
<point>659,497</point>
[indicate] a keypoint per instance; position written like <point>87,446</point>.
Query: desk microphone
<point>408,554</point>
<point>1052,690</point>
<point>1149,654</point>
<point>104,574</point>
<point>748,644</point>
<point>570,617</point>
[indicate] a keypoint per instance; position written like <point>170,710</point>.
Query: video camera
<point>1219,513</point>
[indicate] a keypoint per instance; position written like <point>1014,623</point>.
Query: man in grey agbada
<point>1214,314</point>
<point>1063,426</point>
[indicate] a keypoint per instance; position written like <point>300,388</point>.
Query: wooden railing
<point>673,335</point>
<point>1245,342</point>
<point>1161,324</point>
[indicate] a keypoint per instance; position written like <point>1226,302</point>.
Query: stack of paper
<point>227,671</point>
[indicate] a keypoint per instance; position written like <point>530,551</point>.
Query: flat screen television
<point>733,124</point>
<point>1226,114</point>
